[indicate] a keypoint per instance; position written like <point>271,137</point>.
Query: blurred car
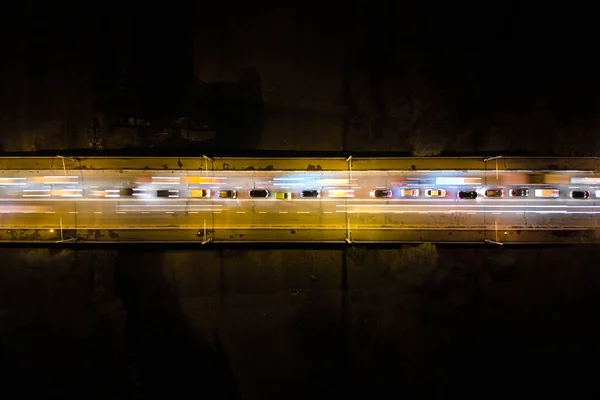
<point>381,193</point>
<point>409,193</point>
<point>552,193</point>
<point>341,193</point>
<point>201,193</point>
<point>467,194</point>
<point>494,193</point>
<point>283,196</point>
<point>520,192</point>
<point>92,192</point>
<point>260,193</point>
<point>310,193</point>
<point>580,194</point>
<point>126,191</point>
<point>435,193</point>
<point>227,194</point>
<point>167,193</point>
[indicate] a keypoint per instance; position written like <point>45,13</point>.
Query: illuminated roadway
<point>87,200</point>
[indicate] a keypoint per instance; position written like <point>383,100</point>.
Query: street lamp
<point>63,162</point>
<point>493,158</point>
<point>208,159</point>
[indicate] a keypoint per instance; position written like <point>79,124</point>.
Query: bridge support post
<point>348,232</point>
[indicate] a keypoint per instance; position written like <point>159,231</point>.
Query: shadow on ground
<point>171,362</point>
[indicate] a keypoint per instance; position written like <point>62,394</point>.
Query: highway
<point>105,200</point>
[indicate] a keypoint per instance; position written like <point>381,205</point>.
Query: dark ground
<point>271,324</point>
<point>420,77</point>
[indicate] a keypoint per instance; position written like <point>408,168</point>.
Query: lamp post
<point>63,162</point>
<point>493,158</point>
<point>208,159</point>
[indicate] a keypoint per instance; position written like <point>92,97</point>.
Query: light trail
<point>113,199</point>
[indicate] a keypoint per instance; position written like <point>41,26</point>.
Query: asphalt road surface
<point>111,199</point>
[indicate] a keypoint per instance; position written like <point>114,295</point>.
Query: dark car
<point>227,194</point>
<point>167,193</point>
<point>467,194</point>
<point>126,191</point>
<point>580,194</point>
<point>259,193</point>
<point>521,192</point>
<point>310,193</point>
<point>494,193</point>
<point>381,193</point>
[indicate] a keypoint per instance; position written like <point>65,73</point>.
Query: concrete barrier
<point>302,164</point>
<point>190,236</point>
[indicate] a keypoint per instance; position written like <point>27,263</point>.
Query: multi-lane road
<point>129,202</point>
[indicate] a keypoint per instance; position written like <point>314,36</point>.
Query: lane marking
<point>97,212</point>
<point>145,212</point>
<point>303,212</point>
<point>283,212</point>
<point>169,212</point>
<point>192,212</point>
<point>240,212</point>
<point>120,212</point>
<point>73,212</point>
<point>262,212</point>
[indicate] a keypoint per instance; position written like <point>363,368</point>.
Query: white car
<point>341,193</point>
<point>409,193</point>
<point>551,193</point>
<point>435,193</point>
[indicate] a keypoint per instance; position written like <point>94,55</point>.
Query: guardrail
<point>501,236</point>
<point>65,162</point>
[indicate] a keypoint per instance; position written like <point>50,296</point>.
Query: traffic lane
<point>317,202</point>
<point>177,204</point>
<point>250,178</point>
<point>363,183</point>
<point>103,215</point>
<point>123,204</point>
<point>327,194</point>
